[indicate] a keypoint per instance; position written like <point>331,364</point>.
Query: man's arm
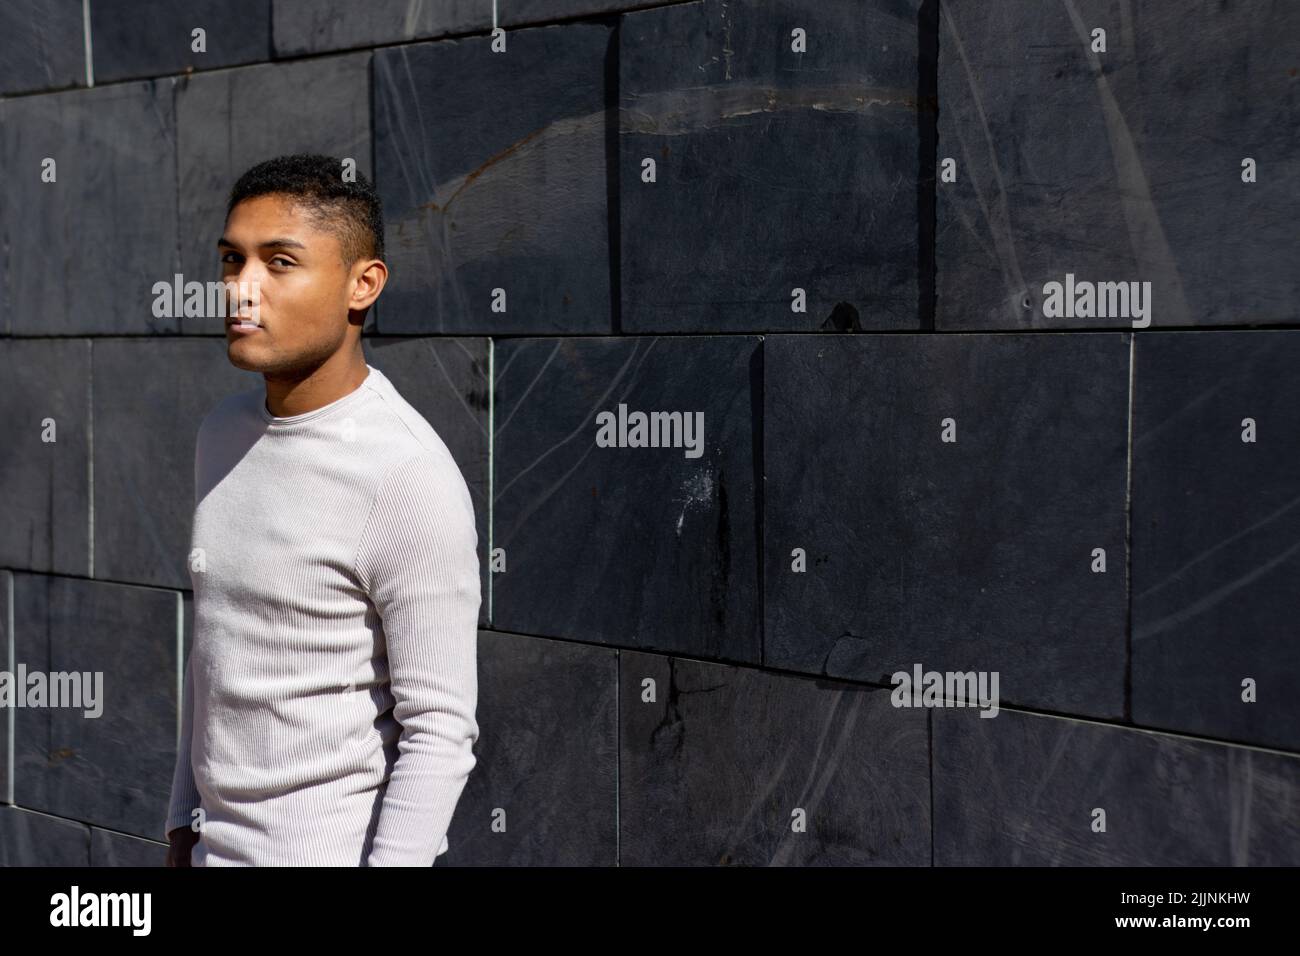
<point>184,794</point>
<point>418,561</point>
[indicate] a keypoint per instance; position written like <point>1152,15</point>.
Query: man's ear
<point>368,280</point>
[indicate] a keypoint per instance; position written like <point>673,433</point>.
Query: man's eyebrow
<point>269,244</point>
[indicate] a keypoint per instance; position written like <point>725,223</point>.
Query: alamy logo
<point>55,689</point>
<point>207,300</point>
<point>1103,300</point>
<point>652,430</point>
<point>102,909</point>
<point>946,689</point>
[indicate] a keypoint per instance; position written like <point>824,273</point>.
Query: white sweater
<point>328,711</point>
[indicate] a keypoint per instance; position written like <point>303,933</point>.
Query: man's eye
<point>226,256</point>
<point>282,260</point>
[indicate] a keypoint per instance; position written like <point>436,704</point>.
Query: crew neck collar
<point>280,421</point>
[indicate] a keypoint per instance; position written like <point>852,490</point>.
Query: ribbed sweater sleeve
<point>417,561</point>
<point>185,796</point>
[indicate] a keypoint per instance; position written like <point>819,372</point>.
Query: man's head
<point>311,244</point>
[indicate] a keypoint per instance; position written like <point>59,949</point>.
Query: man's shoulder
<point>425,468</point>
<point>407,433</point>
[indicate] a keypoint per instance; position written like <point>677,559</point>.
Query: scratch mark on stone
<point>1003,236</point>
<point>727,51</point>
<point>1216,596</point>
<point>690,109</point>
<point>1175,575</point>
<point>1154,257</point>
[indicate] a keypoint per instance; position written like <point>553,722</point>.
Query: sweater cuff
<point>181,813</point>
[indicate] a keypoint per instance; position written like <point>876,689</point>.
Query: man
<point>328,714</point>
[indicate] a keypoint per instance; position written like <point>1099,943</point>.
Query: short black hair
<point>351,209</point>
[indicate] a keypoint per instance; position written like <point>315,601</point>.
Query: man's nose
<point>253,270</point>
<point>243,290</point>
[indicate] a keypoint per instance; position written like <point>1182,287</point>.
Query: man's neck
<point>286,397</point>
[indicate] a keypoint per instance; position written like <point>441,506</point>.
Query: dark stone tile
<point>1123,166</point>
<point>716,763</point>
<point>145,38</point>
<point>447,381</point>
<point>112,770</point>
<point>35,839</point>
<point>646,547</point>
<point>1021,790</point>
<point>547,757</point>
<point>43,46</point>
<point>147,427</point>
<point>316,26</point>
<point>775,170</point>
<point>81,255</point>
<point>45,485</point>
<point>117,849</point>
<point>492,172</point>
<point>1216,534</point>
<point>971,554</point>
<point>231,120</point>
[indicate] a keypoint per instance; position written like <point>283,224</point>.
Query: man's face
<point>294,272</point>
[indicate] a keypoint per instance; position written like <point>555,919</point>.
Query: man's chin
<point>243,357</point>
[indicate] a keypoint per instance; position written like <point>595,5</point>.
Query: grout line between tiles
<point>1128,538</point>
<point>89,48</point>
<point>12,666</point>
<point>90,464</point>
<point>618,755</point>
<point>929,733</point>
<point>180,666</point>
<point>492,467</point>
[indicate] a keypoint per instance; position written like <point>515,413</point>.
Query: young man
<point>328,715</point>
